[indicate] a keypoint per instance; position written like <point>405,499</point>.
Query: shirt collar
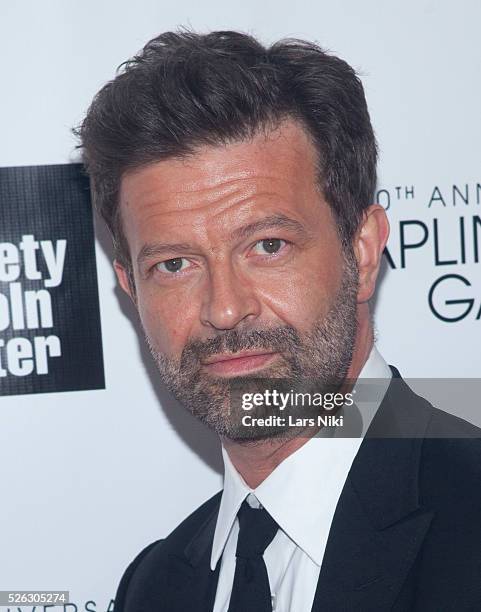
<point>234,493</point>
<point>376,366</point>
<point>297,482</point>
<point>368,392</point>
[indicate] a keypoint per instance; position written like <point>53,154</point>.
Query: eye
<point>269,246</point>
<point>171,266</point>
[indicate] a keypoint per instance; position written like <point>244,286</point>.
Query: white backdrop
<point>89,478</point>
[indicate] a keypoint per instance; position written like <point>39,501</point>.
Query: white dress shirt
<point>301,494</point>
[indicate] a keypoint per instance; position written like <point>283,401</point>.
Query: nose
<point>229,299</point>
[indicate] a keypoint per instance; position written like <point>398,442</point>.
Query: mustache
<point>275,339</point>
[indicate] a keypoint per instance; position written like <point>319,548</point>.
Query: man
<point>238,184</point>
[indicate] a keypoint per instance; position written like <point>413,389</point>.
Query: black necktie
<point>250,590</point>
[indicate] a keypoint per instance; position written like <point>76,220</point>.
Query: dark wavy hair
<point>185,90</point>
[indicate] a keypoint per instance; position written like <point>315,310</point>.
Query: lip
<point>238,363</point>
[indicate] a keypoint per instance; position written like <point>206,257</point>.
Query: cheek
<point>167,321</point>
<point>303,296</point>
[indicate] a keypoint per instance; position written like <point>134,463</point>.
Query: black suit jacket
<point>406,534</point>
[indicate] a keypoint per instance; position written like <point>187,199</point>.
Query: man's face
<point>239,271</point>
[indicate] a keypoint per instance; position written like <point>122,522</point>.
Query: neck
<point>256,460</point>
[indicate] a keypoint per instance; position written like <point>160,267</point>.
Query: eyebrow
<point>149,251</point>
<point>272,221</point>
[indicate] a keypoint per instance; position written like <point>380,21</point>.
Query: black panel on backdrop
<point>50,337</point>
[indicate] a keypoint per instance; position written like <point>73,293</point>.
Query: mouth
<point>235,364</point>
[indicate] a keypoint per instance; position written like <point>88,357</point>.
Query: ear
<point>123,278</point>
<point>369,244</point>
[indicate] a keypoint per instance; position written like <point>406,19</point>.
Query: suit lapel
<point>191,583</point>
<point>367,555</point>
<point>379,525</point>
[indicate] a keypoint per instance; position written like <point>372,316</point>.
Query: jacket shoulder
<point>149,565</point>
<point>448,447</point>
<point>131,569</point>
<point>452,465</point>
<point>450,457</point>
<point>405,414</point>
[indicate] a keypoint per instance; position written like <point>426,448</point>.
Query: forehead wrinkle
<point>214,194</point>
<point>223,183</point>
<point>212,210</point>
